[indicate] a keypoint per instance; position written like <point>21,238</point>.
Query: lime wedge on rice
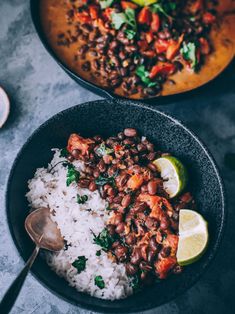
<point>174,174</point>
<point>193,237</point>
<point>143,3</point>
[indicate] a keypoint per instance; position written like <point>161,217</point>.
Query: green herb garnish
<point>118,19</point>
<point>64,153</point>
<point>103,150</point>
<point>135,282</point>
<point>144,76</point>
<point>98,253</point>
<point>105,3</point>
<point>188,52</point>
<point>72,175</point>
<point>80,263</point>
<point>81,199</point>
<point>164,7</point>
<point>104,239</point>
<point>99,282</point>
<point>102,180</point>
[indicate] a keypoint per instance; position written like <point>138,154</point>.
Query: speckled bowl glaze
<point>108,118</point>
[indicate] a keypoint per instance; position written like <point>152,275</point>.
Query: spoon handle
<point>13,291</point>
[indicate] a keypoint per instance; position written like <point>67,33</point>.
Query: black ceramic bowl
<point>106,118</point>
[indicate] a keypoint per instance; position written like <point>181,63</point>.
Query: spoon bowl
<point>43,230</point>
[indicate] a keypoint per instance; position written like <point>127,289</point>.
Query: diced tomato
<point>161,45</point>
<point>77,142</point>
<point>163,68</point>
<point>117,147</point>
<point>149,37</point>
<point>208,18</point>
<point>135,181</point>
<point>164,265</point>
<point>82,17</point>
<point>107,13</point>
<point>196,6</point>
<point>173,48</point>
<point>204,46</point>
<point>155,24</point>
<point>126,4</point>
<point>94,12</point>
<point>145,16</point>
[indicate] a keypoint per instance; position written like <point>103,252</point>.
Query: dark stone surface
<point>38,89</point>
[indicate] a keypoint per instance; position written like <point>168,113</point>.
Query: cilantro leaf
<point>98,253</point>
<point>81,199</point>
<point>188,52</point>
<point>64,153</point>
<point>104,239</point>
<point>105,3</point>
<point>164,7</point>
<point>118,19</point>
<point>144,76</point>
<point>102,180</point>
<point>99,282</point>
<point>80,263</point>
<point>72,174</point>
<point>127,17</point>
<point>102,150</point>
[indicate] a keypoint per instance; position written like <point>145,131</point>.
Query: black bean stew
<point>142,231</point>
<point>134,49</point>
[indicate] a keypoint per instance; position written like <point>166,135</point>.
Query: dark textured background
<point>38,89</point>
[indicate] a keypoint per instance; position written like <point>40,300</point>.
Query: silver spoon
<point>45,233</point>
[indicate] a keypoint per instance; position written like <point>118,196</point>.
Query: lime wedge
<point>173,173</point>
<point>193,237</point>
<point>143,3</point>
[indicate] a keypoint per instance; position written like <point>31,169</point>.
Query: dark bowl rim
<point>98,89</point>
<point>211,257</point>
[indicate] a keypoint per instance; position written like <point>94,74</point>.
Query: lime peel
<point>174,174</point>
<point>193,237</point>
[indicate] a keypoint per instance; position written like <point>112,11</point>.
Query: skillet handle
<point>14,290</point>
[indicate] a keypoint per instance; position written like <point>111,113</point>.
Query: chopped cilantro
<point>102,180</point>
<point>80,263</point>
<point>144,76</point>
<point>104,239</point>
<point>188,52</point>
<point>164,7</point>
<point>64,152</point>
<point>135,282</point>
<point>103,150</point>
<point>118,19</point>
<point>81,199</point>
<point>72,174</point>
<point>99,282</point>
<point>98,253</point>
<point>105,3</point>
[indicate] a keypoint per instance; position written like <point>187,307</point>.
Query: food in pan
<point>138,49</point>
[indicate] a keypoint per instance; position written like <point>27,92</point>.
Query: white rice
<point>75,223</point>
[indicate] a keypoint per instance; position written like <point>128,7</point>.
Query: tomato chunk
<point>135,181</point>
<point>145,16</point>
<point>164,265</point>
<point>208,18</point>
<point>155,24</point>
<point>164,68</point>
<point>94,12</point>
<point>77,142</point>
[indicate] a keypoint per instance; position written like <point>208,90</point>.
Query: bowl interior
<point>106,118</point>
